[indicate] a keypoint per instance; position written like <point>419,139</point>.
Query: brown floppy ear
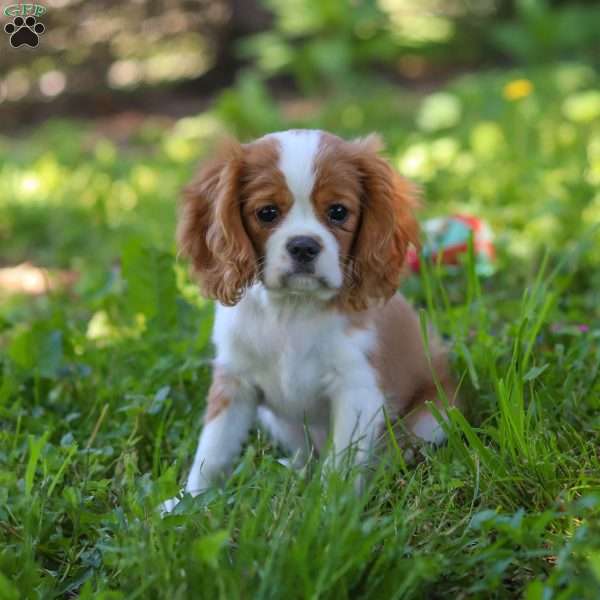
<point>387,226</point>
<point>211,232</point>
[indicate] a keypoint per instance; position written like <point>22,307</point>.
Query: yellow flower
<point>517,89</point>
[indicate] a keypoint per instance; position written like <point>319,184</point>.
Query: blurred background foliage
<point>493,106</point>
<point>96,58</point>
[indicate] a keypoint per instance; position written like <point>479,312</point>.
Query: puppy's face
<point>302,228</point>
<point>304,212</point>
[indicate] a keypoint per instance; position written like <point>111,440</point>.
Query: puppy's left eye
<point>337,213</point>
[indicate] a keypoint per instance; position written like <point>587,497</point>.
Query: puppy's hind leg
<point>421,422</point>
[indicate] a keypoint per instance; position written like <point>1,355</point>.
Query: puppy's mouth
<point>303,282</point>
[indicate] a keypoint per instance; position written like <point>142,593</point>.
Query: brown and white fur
<point>310,333</point>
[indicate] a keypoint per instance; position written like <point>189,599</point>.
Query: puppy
<point>301,237</point>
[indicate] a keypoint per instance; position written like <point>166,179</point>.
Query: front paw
<point>168,506</point>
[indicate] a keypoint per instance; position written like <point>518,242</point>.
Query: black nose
<point>303,249</point>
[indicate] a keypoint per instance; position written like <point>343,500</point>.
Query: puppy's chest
<point>291,362</point>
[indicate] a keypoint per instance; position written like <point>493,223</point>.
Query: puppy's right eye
<point>267,214</point>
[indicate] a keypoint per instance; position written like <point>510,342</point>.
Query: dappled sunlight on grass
<point>31,280</point>
<point>582,107</point>
<point>440,110</point>
<point>61,204</point>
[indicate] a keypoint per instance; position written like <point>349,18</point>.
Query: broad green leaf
<point>35,448</point>
<point>151,283</point>
<point>38,349</point>
<point>208,547</point>
<point>7,590</point>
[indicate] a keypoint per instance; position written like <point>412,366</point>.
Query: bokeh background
<point>491,106</point>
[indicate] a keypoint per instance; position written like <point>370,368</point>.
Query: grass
<point>102,387</point>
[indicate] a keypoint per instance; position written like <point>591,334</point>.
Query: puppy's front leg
<point>230,412</point>
<point>357,418</point>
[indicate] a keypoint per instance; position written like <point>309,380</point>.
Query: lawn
<point>102,383</point>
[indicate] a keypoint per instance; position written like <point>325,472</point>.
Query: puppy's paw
<point>168,506</point>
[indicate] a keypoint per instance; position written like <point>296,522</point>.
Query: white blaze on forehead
<point>297,151</point>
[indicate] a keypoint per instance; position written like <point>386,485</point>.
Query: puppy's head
<point>304,212</point>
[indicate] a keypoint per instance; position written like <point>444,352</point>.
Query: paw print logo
<point>24,32</point>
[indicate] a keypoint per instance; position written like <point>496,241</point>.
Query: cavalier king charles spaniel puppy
<point>300,237</point>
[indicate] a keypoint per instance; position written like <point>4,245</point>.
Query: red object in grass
<point>447,238</point>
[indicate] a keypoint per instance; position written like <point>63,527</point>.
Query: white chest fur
<point>292,352</point>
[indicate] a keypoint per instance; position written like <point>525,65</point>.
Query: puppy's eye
<point>267,214</point>
<point>337,213</point>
